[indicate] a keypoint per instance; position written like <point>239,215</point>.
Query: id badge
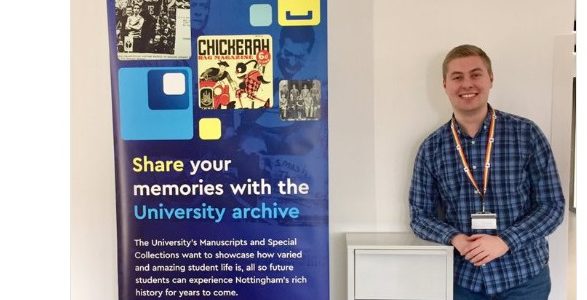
<point>484,221</point>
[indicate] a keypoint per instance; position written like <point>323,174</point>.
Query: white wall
<point>562,110</point>
<point>385,97</point>
<point>93,209</point>
<point>352,204</point>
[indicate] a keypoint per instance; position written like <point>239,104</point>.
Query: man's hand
<point>483,248</point>
<point>461,242</point>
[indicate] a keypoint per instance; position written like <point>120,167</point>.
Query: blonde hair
<point>466,51</point>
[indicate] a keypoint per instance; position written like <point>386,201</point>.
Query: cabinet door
<point>402,274</point>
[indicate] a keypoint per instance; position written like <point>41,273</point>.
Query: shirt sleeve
<point>547,200</point>
<point>424,199</point>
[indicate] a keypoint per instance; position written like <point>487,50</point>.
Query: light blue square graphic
<point>260,15</point>
<point>138,120</point>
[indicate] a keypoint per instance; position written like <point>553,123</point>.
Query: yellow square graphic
<point>298,12</point>
<point>210,128</point>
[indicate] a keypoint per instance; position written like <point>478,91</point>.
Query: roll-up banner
<point>220,111</point>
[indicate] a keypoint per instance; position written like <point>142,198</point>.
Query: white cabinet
<point>398,266</point>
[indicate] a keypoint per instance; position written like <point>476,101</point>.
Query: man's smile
<point>468,95</point>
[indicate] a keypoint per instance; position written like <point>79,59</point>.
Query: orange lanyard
<point>488,150</point>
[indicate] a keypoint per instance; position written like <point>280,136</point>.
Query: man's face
<point>128,11</point>
<point>136,10</point>
<point>199,14</point>
<point>292,57</point>
<point>467,84</point>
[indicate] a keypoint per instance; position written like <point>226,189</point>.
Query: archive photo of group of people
<point>147,26</point>
<point>299,100</point>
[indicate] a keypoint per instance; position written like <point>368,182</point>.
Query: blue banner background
<point>260,145</point>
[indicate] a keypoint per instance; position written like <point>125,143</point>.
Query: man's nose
<point>467,82</point>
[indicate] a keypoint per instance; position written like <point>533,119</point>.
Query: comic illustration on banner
<point>235,71</point>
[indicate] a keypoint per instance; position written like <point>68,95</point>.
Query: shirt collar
<point>484,127</point>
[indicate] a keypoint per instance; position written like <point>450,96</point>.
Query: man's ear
<point>444,83</point>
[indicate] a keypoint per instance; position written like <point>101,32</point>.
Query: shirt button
<point>474,167</point>
<point>473,142</point>
<point>484,126</point>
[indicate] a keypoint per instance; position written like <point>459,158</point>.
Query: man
<point>283,106</point>
<point>134,27</point>
<point>283,89</point>
<point>142,7</point>
<point>148,31</point>
<point>218,74</point>
<point>121,24</point>
<point>199,18</point>
<point>294,93</point>
<point>305,95</point>
<point>121,4</point>
<point>295,44</point>
<point>486,182</point>
<point>315,92</point>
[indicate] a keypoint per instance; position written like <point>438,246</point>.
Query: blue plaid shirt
<point>523,190</point>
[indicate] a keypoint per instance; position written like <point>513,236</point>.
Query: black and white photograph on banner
<point>299,100</point>
<point>153,29</point>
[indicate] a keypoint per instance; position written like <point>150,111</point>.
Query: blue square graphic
<point>260,15</point>
<point>148,111</point>
<point>158,98</point>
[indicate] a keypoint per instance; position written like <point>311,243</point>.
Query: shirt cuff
<point>511,239</point>
<point>448,238</point>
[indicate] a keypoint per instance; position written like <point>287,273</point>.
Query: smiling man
<point>486,183</point>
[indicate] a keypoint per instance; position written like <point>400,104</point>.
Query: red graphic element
<point>251,85</point>
<point>263,57</point>
<point>221,96</point>
<point>220,92</point>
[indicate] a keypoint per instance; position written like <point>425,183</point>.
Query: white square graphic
<point>173,84</point>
